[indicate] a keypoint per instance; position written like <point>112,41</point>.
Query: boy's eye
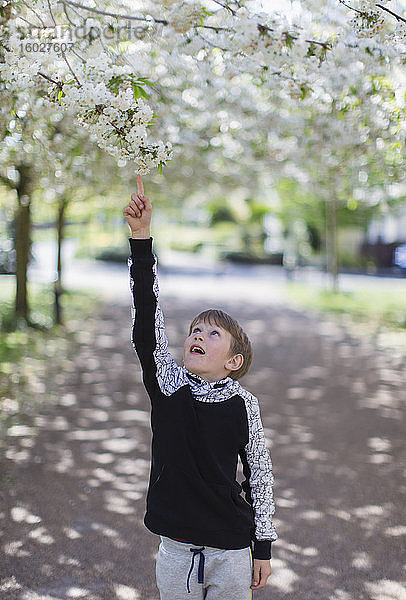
<point>198,329</point>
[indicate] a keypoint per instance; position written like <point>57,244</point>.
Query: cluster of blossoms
<point>105,96</point>
<point>371,22</point>
<point>99,92</point>
<point>368,24</point>
<point>16,71</point>
<point>246,32</point>
<point>101,95</point>
<point>117,121</point>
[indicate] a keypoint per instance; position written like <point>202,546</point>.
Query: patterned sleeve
<point>148,327</point>
<point>257,468</point>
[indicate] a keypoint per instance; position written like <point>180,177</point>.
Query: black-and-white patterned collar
<point>211,391</point>
<point>214,384</point>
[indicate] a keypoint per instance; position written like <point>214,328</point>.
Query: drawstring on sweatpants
<point>200,571</point>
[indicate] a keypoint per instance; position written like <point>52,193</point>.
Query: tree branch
<point>51,13</point>
<point>26,21</point>
<point>63,53</point>
<point>261,28</point>
<point>35,13</point>
<point>225,6</point>
<point>216,29</point>
<point>67,16</point>
<point>165,22</point>
<point>210,43</point>
<point>398,17</point>
<point>325,45</point>
<point>58,83</point>
<point>109,14</point>
<point>78,55</point>
<point>351,7</point>
<point>77,13</point>
<point>70,69</point>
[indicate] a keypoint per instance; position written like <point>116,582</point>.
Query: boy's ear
<point>235,362</point>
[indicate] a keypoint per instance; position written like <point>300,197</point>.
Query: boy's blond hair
<point>240,343</point>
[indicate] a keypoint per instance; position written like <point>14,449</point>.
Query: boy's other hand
<point>138,212</point>
<point>261,572</point>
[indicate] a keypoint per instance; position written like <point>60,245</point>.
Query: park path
<point>333,411</point>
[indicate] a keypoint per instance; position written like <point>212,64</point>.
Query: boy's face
<point>215,342</point>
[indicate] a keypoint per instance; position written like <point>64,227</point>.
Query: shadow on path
<point>333,412</point>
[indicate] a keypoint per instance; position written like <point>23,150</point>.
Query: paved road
<point>179,273</point>
<point>333,413</point>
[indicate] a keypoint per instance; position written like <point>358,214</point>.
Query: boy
<point>202,419</point>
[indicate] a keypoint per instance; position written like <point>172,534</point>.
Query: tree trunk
<point>23,241</point>
<point>331,243</point>
<point>58,283</point>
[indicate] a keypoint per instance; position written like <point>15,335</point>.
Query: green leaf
<point>289,41</point>
<point>145,81</point>
<point>139,91</point>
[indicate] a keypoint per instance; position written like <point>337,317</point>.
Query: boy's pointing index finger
<point>140,187</point>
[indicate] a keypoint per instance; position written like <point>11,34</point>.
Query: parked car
<point>399,256</point>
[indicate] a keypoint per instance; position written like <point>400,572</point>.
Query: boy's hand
<point>261,572</point>
<point>138,212</point>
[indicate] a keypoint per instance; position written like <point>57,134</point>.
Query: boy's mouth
<point>195,349</point>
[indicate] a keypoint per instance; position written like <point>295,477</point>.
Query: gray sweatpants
<point>189,572</point>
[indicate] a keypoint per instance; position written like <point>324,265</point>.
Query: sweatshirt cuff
<point>140,247</point>
<point>262,549</point>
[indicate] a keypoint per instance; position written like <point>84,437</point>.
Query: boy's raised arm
<point>160,372</point>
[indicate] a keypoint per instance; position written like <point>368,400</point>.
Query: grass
<point>30,359</point>
<point>375,312</point>
<point>382,307</point>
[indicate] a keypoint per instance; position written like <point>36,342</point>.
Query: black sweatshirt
<point>199,429</point>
